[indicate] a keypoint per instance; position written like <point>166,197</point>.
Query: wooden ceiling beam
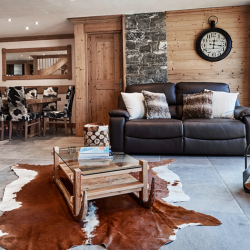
<point>35,38</point>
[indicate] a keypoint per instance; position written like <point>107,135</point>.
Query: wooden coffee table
<point>95,179</point>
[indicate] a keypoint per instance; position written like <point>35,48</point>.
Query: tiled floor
<point>214,185</point>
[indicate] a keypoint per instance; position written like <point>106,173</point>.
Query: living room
<point>162,87</point>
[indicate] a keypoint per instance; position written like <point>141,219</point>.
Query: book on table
<point>95,153</point>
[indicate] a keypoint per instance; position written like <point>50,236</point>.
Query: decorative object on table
<point>96,134</point>
<point>199,105</point>
<point>135,105</point>
<point>246,173</point>
<point>19,112</point>
<point>156,105</point>
<point>160,223</point>
<point>31,93</point>
<point>59,116</point>
<point>223,104</point>
<point>50,92</point>
<point>213,44</point>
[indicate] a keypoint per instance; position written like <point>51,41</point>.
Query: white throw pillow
<point>135,105</point>
<point>223,104</point>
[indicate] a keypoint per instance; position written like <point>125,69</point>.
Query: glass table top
<point>69,156</point>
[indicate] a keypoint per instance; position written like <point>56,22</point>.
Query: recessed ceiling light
<point>21,55</point>
<point>58,53</point>
<point>27,28</point>
<point>43,54</point>
<point>29,56</point>
<point>9,20</point>
<point>36,23</point>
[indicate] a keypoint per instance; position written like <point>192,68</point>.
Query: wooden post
<point>26,130</point>
<point>56,163</point>
<point>2,130</point>
<point>77,191</point>
<point>10,130</point>
<point>143,177</point>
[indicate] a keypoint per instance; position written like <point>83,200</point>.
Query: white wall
<point>42,82</point>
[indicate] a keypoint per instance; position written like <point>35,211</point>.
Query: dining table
<point>36,105</point>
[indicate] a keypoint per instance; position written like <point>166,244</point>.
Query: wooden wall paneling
<point>124,53</point>
<point>36,38</point>
<point>92,71</point>
<point>184,64</point>
<point>102,27</point>
<point>69,62</point>
<point>81,79</point>
<point>4,64</point>
<point>38,49</point>
<point>90,25</point>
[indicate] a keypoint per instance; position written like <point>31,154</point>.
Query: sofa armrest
<point>240,112</point>
<point>116,132</point>
<point>119,113</point>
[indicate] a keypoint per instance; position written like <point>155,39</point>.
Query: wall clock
<point>213,44</point>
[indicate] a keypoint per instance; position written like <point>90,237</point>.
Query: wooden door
<point>104,75</point>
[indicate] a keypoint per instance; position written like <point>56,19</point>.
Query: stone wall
<point>146,48</point>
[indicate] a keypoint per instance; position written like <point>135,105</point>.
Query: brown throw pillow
<point>156,105</point>
<point>198,105</point>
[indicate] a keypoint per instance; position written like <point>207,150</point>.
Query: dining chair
<point>61,116</point>
<point>31,93</point>
<point>18,111</point>
<point>3,117</point>
<point>50,92</point>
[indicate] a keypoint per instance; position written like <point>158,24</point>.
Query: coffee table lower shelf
<point>101,185</point>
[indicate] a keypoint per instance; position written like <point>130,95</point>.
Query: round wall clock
<point>213,44</point>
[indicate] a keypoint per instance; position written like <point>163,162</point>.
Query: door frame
<point>84,26</point>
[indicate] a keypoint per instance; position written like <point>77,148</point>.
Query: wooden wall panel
<point>184,64</point>
<point>81,83</point>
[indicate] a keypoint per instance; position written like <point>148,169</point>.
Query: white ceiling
<point>52,14</point>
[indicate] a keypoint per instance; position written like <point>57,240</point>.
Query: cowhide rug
<point>37,217</point>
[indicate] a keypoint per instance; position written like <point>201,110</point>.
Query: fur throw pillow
<point>156,105</point>
<point>198,105</point>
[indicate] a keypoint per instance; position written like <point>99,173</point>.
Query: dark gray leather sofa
<point>174,136</point>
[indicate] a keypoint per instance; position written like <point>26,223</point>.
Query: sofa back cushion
<point>197,87</point>
<point>167,88</point>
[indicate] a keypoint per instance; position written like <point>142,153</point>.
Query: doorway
<point>105,72</point>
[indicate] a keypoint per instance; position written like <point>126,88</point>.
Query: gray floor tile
<point>185,160</point>
<point>196,174</point>
<point>228,161</point>
<point>209,197</point>
<point>4,163</point>
<point>232,234</point>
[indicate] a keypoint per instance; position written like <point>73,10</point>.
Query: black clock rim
<point>219,58</point>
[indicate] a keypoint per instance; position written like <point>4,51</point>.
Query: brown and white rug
<point>37,217</point>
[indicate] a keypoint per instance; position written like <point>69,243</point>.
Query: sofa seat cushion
<point>213,129</point>
<point>154,129</point>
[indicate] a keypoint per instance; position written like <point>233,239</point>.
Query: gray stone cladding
<point>146,48</point>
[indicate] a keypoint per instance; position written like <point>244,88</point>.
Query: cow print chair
<point>4,117</point>
<point>18,110</point>
<point>31,93</point>
<point>50,92</point>
<point>58,116</point>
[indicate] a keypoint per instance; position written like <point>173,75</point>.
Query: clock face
<point>213,44</point>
